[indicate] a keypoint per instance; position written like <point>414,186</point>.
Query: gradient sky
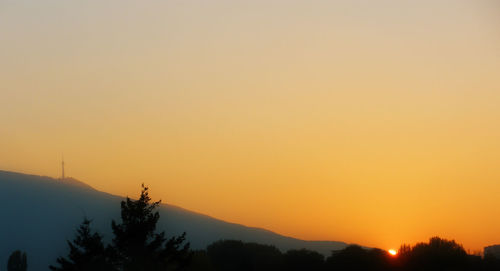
<point>373,122</point>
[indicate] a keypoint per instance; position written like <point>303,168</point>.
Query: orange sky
<point>374,122</point>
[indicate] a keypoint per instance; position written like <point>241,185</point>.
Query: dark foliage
<point>200,261</point>
<point>17,261</point>
<point>136,244</point>
<point>357,258</point>
<point>236,255</point>
<point>303,260</point>
<point>86,252</point>
<point>438,254</point>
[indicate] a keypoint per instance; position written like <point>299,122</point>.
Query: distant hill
<point>38,214</point>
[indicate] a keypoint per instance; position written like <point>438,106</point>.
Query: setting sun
<point>393,252</point>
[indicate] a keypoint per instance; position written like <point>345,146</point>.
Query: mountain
<point>38,214</point>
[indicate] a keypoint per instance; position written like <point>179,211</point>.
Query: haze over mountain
<point>40,213</point>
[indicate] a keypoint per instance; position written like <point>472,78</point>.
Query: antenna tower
<point>62,164</point>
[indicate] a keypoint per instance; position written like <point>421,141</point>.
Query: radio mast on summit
<point>62,164</point>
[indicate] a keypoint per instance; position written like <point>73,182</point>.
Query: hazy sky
<point>374,122</point>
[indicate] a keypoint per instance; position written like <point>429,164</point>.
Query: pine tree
<point>136,244</point>
<point>87,252</point>
<point>17,261</point>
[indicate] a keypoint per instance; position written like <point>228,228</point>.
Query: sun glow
<point>393,252</point>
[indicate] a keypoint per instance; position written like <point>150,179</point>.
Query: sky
<point>369,122</point>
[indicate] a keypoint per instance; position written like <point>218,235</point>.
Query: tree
<point>87,252</point>
<point>354,257</point>
<point>137,247</point>
<point>17,261</point>
<point>228,255</point>
<point>303,259</point>
<point>438,254</point>
<point>200,262</point>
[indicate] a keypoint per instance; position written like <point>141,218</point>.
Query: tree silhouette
<point>438,254</point>
<point>87,252</point>
<point>303,260</point>
<point>137,247</point>
<point>354,257</point>
<point>17,261</point>
<point>235,255</point>
<point>200,261</point>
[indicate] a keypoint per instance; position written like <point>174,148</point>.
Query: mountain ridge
<point>41,210</point>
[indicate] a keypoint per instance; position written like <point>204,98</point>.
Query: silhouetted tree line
<point>137,246</point>
<point>437,254</point>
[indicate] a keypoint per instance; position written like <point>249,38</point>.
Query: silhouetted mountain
<point>38,214</point>
<point>75,182</point>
